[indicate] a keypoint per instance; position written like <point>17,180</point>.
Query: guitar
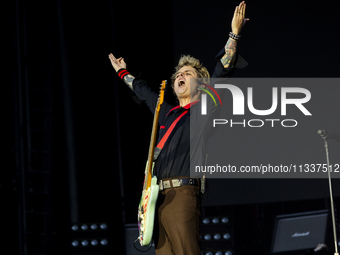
<point>147,204</point>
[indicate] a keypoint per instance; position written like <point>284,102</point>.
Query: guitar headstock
<point>161,95</point>
<point>162,91</point>
<point>163,85</point>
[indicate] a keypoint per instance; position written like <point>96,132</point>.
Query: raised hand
<point>117,63</point>
<point>239,19</point>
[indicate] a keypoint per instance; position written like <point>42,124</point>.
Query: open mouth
<point>181,83</point>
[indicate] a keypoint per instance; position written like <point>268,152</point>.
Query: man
<point>177,220</point>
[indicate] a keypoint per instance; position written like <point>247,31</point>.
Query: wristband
<point>122,72</point>
<point>234,36</point>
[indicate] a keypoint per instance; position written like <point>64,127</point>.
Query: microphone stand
<point>331,196</point>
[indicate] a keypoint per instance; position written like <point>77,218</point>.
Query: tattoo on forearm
<point>230,50</point>
<point>128,79</point>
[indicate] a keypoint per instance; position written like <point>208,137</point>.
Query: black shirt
<point>174,159</point>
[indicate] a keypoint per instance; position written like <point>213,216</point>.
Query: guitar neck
<point>154,135</point>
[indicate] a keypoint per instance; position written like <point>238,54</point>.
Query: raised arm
<point>237,23</point>
<point>120,66</point>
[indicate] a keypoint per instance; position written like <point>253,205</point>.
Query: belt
<point>174,183</point>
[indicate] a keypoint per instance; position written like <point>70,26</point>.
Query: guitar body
<point>146,212</point>
<point>147,204</point>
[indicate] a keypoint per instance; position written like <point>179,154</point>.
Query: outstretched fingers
<point>236,11</point>
<point>243,8</point>
<point>242,11</point>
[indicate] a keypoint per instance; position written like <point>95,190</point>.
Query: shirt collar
<point>186,107</point>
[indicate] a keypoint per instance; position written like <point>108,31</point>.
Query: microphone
<point>328,135</point>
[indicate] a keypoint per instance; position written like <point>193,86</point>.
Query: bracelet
<point>234,36</point>
<point>122,72</point>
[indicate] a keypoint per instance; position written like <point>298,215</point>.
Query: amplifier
<point>299,232</point>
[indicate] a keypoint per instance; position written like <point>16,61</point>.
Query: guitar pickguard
<point>146,212</point>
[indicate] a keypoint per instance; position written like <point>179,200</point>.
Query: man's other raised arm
<point>237,23</point>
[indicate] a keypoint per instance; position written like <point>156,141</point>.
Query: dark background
<point>68,49</point>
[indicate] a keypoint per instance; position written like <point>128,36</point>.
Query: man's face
<point>182,86</point>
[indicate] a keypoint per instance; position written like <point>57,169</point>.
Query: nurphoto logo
<point>301,97</point>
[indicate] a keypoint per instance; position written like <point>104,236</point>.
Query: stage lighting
<point>94,242</point>
<point>226,236</point>
<point>84,227</point>
<point>89,226</point>
<point>93,226</point>
<point>75,243</point>
<point>206,221</point>
<point>74,227</point>
<point>217,236</point>
<point>225,220</point>
<point>215,220</point>
<point>84,243</point>
<point>103,226</point>
<point>218,252</point>
<point>104,242</point>
<point>207,237</point>
<point>90,237</point>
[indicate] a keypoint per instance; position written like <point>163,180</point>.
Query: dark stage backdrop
<point>282,39</point>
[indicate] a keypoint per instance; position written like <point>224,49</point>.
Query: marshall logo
<point>301,234</point>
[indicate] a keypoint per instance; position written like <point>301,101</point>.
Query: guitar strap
<point>160,145</point>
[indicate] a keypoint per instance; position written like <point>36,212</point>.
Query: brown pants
<point>177,221</point>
